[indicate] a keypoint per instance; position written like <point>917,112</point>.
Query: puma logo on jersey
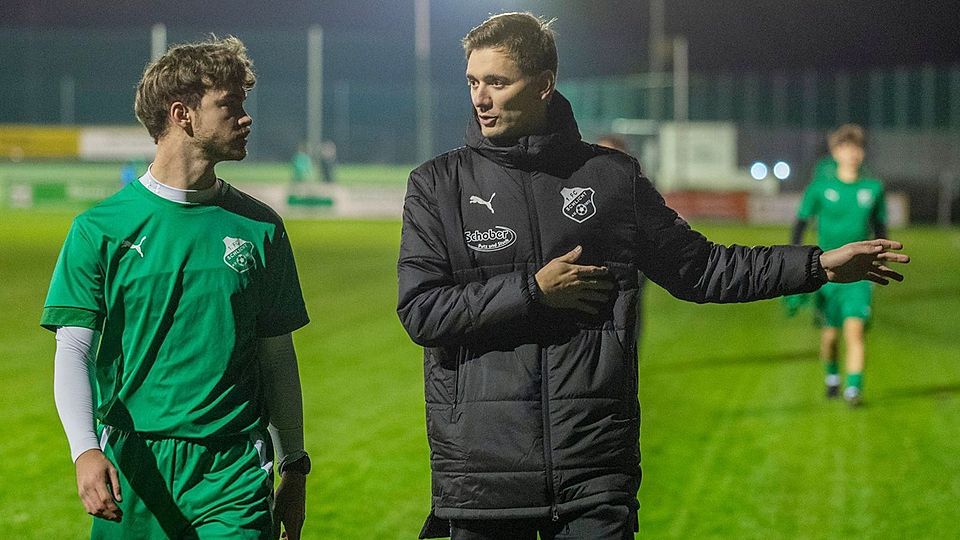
<point>489,204</point>
<point>138,247</point>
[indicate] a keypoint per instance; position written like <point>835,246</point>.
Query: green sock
<point>855,380</point>
<point>833,373</point>
<point>831,367</point>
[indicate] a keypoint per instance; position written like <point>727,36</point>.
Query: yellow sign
<point>23,142</point>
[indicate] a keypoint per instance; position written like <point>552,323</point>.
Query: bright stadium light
<point>758,171</point>
<point>781,170</point>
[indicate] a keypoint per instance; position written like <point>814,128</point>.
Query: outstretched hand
<point>864,260</point>
<point>567,285</point>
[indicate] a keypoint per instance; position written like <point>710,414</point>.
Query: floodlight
<point>758,171</point>
<point>781,170</point>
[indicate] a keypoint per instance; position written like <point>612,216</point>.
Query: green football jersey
<point>181,293</point>
<point>844,211</point>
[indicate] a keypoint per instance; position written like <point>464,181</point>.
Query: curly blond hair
<point>186,72</point>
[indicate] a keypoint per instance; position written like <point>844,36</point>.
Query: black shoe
<point>833,386</point>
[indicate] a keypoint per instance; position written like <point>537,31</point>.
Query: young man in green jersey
<point>849,207</point>
<point>174,301</point>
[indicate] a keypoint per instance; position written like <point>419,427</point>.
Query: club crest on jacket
<point>578,203</point>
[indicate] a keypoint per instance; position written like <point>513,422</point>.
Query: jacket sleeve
<point>695,269</point>
<point>433,307</point>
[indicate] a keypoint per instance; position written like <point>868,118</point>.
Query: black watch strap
<point>300,465</point>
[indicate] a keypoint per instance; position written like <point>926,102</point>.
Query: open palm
<point>864,260</point>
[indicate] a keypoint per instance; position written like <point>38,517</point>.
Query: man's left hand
<point>289,507</point>
<point>864,260</point>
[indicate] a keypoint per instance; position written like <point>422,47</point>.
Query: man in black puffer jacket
<point>518,273</point>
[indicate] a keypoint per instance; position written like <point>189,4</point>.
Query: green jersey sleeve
<point>283,310</point>
<point>75,297</point>
<point>880,210</point>
<point>810,203</point>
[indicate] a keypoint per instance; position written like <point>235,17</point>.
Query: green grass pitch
<point>737,439</point>
<point>246,172</point>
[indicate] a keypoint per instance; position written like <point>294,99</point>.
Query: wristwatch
<point>301,465</point>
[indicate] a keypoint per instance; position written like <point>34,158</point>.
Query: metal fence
<point>86,77</point>
<point>902,98</point>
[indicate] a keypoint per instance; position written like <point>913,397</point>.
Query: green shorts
<point>175,488</point>
<point>837,302</point>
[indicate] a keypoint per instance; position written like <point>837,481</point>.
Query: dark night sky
<point>596,37</point>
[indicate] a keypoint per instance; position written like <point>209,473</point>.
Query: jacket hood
<point>530,150</point>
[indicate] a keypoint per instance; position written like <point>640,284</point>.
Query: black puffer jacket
<point>533,411</point>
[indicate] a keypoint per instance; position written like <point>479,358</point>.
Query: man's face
<point>508,103</point>
<point>221,125</point>
<point>848,155</point>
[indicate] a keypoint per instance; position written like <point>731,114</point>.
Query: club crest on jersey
<point>238,254</point>
<point>492,239</point>
<point>578,203</point>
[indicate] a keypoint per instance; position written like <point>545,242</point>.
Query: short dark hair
<point>185,72</point>
<point>527,40</point>
<point>847,133</point>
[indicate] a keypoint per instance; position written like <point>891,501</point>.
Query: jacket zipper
<point>544,367</point>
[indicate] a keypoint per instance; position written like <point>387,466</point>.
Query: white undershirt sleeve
<point>278,363</point>
<point>74,396</point>
<point>72,390</point>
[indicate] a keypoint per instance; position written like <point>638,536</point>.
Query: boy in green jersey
<point>174,301</point>
<point>849,207</point>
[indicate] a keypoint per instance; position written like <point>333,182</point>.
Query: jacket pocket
<point>440,375</point>
<point>459,384</point>
<point>443,392</point>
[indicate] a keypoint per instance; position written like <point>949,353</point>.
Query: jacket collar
<point>530,151</point>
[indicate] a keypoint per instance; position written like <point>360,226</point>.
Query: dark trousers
<point>604,522</point>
